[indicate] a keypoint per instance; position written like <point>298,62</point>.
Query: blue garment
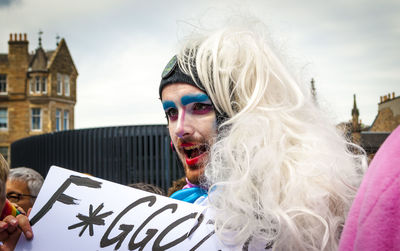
<point>189,194</point>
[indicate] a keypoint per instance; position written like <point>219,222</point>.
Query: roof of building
<point>49,55</point>
<point>371,141</point>
<point>62,45</point>
<point>39,60</point>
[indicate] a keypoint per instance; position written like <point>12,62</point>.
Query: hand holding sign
<point>11,228</point>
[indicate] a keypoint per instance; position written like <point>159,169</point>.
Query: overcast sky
<point>120,48</point>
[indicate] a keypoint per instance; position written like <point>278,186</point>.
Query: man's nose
<point>183,127</point>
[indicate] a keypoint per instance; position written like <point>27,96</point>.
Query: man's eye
<point>202,108</point>
<point>172,114</point>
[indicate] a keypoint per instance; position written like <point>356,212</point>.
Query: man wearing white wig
<point>254,145</point>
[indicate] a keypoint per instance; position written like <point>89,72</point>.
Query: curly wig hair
<point>280,172</point>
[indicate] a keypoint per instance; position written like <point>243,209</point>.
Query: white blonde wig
<point>279,173</point>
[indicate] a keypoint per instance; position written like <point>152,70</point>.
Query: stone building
<point>37,91</point>
<point>388,117</point>
<point>372,137</point>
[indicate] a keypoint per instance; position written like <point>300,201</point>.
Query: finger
<point>25,226</point>
<point>12,228</point>
<point>29,212</point>
<point>3,226</point>
<point>3,235</point>
<point>12,223</point>
<point>3,231</point>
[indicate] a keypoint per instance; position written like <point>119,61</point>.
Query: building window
<point>3,118</point>
<point>44,85</point>
<point>58,120</point>
<point>66,120</point>
<point>31,85</point>
<point>66,85</point>
<point>3,83</point>
<point>37,84</point>
<point>59,84</point>
<point>36,119</point>
<point>4,152</point>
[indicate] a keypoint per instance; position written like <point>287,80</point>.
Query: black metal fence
<point>124,154</point>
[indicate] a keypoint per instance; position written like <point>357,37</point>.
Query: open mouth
<point>194,153</point>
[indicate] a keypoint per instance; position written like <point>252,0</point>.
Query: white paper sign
<point>78,212</point>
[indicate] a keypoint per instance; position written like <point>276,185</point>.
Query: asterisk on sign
<point>92,219</point>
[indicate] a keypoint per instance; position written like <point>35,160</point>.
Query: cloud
<point>122,86</point>
<point>120,48</point>
<point>5,3</point>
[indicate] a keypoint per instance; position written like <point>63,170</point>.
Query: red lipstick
<point>186,144</point>
<point>191,162</point>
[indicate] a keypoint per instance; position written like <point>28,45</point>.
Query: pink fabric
<point>373,222</point>
<point>189,185</point>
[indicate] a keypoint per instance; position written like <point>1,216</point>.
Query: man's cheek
<point>181,156</point>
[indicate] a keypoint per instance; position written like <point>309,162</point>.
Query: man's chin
<point>193,173</point>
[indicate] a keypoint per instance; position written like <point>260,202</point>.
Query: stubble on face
<point>195,172</point>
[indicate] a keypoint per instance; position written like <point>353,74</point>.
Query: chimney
<point>381,99</point>
<point>18,55</point>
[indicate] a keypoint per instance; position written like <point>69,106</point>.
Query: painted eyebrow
<point>192,98</point>
<point>168,104</point>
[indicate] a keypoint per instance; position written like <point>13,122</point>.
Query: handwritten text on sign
<point>78,212</point>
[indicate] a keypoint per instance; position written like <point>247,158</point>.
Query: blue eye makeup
<point>194,98</point>
<point>168,104</point>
